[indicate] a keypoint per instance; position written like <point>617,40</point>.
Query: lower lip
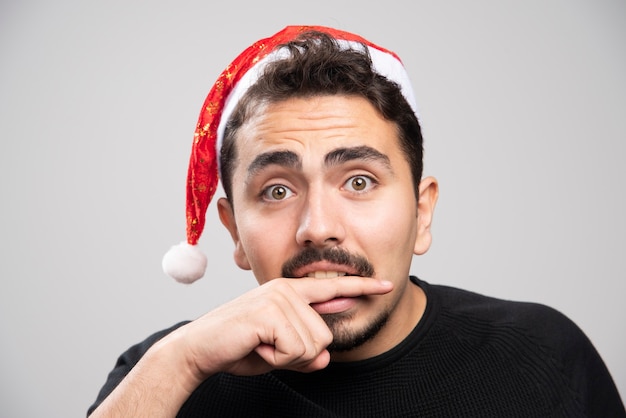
<point>334,306</point>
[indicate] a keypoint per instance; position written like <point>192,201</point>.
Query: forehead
<point>309,125</point>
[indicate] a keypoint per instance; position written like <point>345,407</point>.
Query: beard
<point>345,337</point>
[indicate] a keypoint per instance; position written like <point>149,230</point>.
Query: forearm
<point>157,386</point>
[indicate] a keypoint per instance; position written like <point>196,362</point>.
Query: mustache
<point>333,255</point>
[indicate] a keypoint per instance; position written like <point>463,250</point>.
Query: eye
<point>359,183</point>
<point>276,192</point>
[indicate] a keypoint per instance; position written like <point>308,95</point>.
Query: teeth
<point>325,274</point>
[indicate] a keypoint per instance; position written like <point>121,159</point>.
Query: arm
<point>270,327</point>
<point>156,386</point>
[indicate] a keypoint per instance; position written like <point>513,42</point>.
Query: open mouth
<point>326,263</point>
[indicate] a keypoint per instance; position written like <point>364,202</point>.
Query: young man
<point>320,156</point>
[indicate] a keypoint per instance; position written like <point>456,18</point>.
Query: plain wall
<point>523,105</point>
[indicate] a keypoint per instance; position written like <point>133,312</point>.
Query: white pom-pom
<point>185,263</point>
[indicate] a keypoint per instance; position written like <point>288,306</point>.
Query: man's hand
<point>271,327</point>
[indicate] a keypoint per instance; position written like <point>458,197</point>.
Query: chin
<point>346,337</point>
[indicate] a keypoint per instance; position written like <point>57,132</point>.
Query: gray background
<point>523,105</point>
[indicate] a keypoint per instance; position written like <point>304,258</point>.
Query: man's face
<point>321,187</point>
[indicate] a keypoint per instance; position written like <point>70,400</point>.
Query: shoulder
<point>540,339</point>
<point>538,319</point>
<point>542,327</point>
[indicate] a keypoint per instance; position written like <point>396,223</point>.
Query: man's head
<point>321,162</point>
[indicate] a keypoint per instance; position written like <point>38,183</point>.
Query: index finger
<point>315,290</point>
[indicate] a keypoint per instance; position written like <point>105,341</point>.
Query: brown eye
<point>359,183</point>
<point>277,192</point>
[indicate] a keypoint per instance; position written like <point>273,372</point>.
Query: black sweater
<point>470,356</point>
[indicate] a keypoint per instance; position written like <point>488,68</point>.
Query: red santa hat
<point>185,262</point>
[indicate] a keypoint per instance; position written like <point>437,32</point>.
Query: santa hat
<point>185,262</point>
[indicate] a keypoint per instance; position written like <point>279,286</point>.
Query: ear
<point>428,194</point>
<point>227,216</point>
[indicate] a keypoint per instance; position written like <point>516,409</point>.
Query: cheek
<point>387,221</point>
<point>265,242</point>
<point>388,235</point>
<point>394,234</point>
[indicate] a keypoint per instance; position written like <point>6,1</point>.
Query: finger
<point>294,332</point>
<point>320,361</point>
<point>321,290</point>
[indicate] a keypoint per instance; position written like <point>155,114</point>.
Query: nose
<point>320,220</point>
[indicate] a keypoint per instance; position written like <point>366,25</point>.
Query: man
<point>320,156</point>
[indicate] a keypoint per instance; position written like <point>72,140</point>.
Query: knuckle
<point>280,284</point>
<point>269,310</point>
<point>299,349</point>
<point>326,338</point>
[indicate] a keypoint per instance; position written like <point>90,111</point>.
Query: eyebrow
<point>287,159</point>
<point>290,159</point>
<point>364,153</point>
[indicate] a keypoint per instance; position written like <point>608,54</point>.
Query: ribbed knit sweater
<point>469,356</point>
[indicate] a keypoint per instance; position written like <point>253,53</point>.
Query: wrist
<point>174,358</point>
